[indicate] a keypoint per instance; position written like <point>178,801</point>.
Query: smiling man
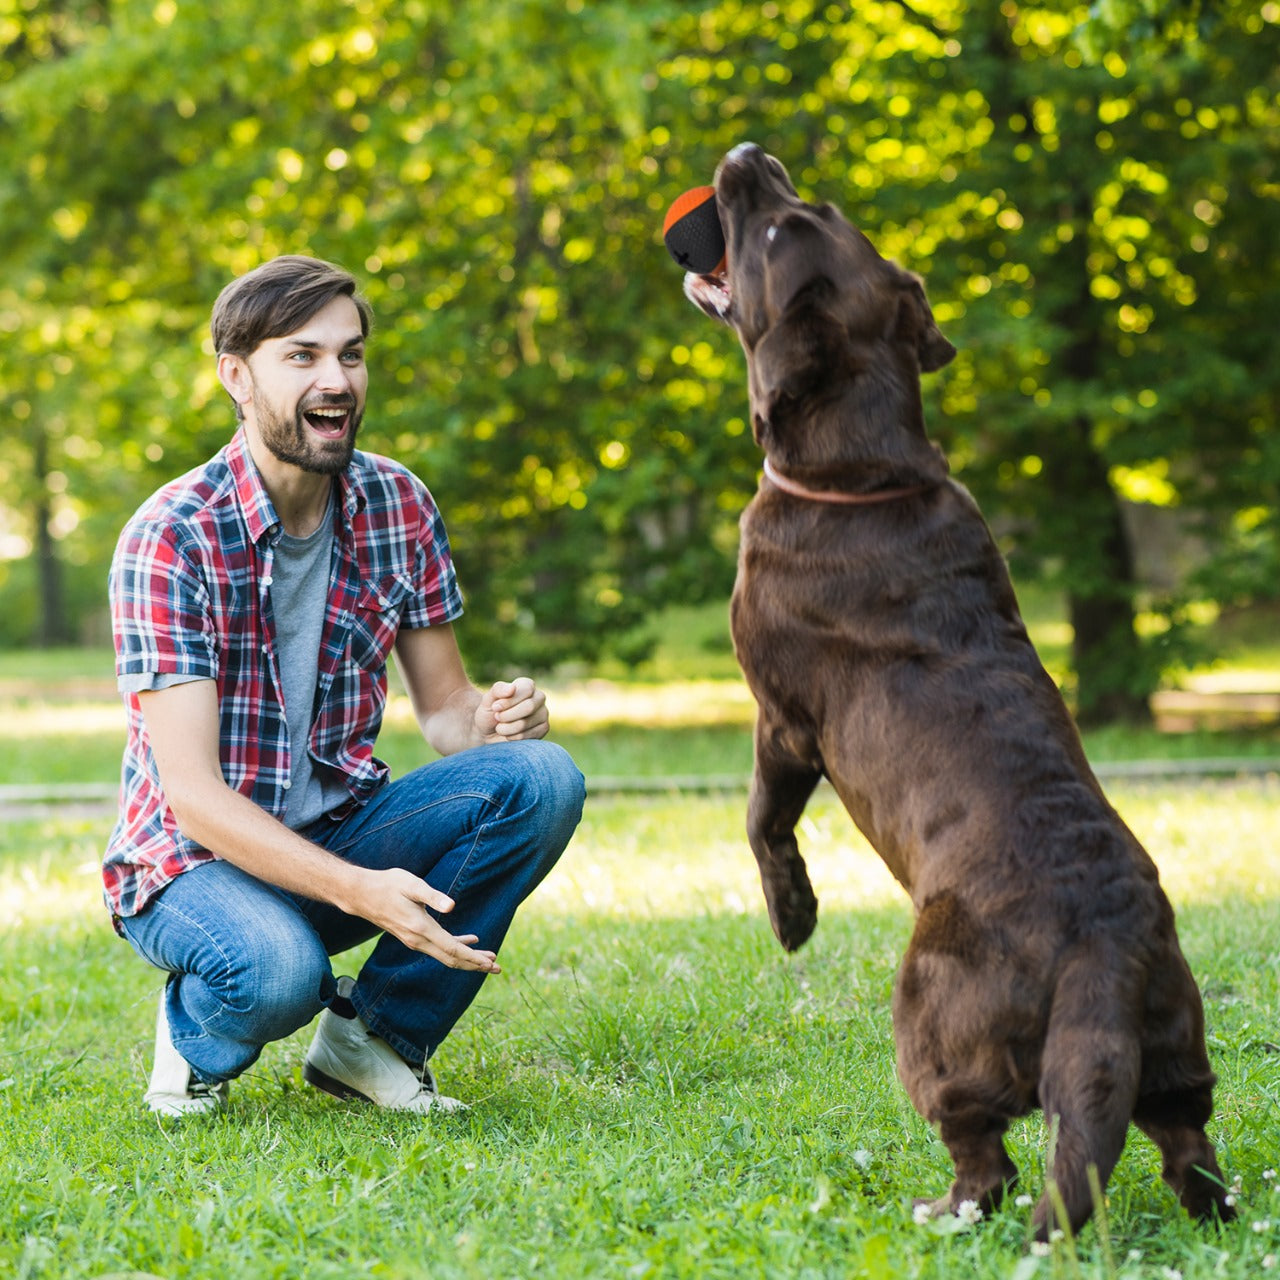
<point>255,602</point>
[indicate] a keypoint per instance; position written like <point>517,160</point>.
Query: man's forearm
<point>240,832</point>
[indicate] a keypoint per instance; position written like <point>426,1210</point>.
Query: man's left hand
<point>512,709</point>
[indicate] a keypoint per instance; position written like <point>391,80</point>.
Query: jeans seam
<point>408,815</point>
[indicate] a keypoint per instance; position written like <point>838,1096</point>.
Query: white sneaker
<point>173,1089</point>
<point>347,1060</point>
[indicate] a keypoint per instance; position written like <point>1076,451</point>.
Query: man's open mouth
<point>328,421</point>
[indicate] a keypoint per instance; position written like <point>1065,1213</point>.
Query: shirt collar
<point>260,512</point>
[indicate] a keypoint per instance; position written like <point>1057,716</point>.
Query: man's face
<point>303,394</point>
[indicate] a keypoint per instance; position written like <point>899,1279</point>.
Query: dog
<point>877,627</point>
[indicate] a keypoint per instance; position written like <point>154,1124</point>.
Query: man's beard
<point>290,440</point>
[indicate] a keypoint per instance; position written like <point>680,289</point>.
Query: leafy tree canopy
<point>1091,195</point>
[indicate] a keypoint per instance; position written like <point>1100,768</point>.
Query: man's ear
<point>915,323</point>
<point>233,373</point>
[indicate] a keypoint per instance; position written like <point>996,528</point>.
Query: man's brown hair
<point>277,298</point>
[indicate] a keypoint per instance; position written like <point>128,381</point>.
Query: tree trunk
<point>51,625</point>
<point>1105,650</point>
<point>1100,579</point>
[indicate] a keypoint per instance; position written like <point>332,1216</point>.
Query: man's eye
<point>300,357</point>
<point>353,357</point>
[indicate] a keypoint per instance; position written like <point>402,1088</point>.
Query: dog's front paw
<point>793,908</point>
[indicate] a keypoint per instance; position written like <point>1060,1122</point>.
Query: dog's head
<point>813,303</point>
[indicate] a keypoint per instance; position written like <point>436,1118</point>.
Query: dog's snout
<point>742,151</point>
<point>749,172</point>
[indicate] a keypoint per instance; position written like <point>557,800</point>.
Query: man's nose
<point>332,374</point>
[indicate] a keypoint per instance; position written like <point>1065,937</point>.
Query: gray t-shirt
<point>299,586</point>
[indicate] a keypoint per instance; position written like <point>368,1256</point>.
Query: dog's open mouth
<point>710,292</point>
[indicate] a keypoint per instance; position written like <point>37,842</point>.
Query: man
<point>255,601</point>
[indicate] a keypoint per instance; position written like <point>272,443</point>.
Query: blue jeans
<point>250,963</point>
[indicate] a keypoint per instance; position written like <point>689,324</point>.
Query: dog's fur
<point>885,649</point>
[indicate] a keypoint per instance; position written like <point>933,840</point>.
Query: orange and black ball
<point>693,234</point>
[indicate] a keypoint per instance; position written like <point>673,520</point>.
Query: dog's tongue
<point>711,293</point>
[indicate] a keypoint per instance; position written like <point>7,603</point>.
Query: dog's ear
<point>914,322</point>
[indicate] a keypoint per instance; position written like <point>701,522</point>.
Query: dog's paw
<point>793,913</point>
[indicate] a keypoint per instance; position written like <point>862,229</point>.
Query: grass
<point>659,1090</point>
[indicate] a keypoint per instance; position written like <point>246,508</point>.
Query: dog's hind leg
<point>1088,1083</point>
<point>1190,1163</point>
<point>1175,1098</point>
<point>974,1137</point>
<point>780,789</point>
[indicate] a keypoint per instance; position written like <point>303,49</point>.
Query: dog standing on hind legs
<point>875,622</point>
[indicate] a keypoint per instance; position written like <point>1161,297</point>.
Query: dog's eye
<point>770,231</point>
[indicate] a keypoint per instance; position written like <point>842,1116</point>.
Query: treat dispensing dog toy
<point>693,234</point>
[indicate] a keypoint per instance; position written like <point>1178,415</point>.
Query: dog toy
<point>693,234</point>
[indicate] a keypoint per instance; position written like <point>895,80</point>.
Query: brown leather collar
<point>797,490</point>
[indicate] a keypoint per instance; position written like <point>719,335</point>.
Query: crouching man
<point>255,602</point>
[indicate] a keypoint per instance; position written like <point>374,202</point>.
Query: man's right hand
<point>396,901</point>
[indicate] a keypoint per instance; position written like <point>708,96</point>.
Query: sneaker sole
<point>317,1078</point>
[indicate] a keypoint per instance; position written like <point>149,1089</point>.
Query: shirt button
<point>266,582</point>
<point>286,784</point>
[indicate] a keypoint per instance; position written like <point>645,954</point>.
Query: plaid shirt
<point>190,595</point>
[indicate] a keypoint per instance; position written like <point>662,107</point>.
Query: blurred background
<point>1091,193</point>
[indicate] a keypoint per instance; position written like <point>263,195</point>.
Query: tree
<point>1092,214</point>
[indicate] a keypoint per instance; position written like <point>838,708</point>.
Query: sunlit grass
<point>660,1090</point>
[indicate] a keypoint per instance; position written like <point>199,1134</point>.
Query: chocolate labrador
<point>877,627</point>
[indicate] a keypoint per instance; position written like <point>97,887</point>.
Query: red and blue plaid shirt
<point>190,596</point>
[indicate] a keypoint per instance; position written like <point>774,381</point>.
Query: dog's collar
<point>797,490</point>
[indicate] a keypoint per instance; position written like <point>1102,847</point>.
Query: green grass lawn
<point>659,1091</point>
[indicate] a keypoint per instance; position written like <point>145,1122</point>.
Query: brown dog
<point>877,627</point>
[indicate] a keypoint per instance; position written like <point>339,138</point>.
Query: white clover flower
<point>1230,1200</point>
<point>1040,1250</point>
<point>1268,1262</point>
<point>1024,1202</point>
<point>1171,1273</point>
<point>921,1214</point>
<point>1056,1234</point>
<point>1264,1225</point>
<point>968,1212</point>
<point>1268,1174</point>
<point>1134,1255</point>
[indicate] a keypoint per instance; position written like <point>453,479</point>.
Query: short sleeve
<point>436,597</point>
<point>160,608</point>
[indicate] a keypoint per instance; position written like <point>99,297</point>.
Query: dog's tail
<point>1091,1068</point>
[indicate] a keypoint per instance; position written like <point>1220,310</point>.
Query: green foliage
<point>1091,200</point>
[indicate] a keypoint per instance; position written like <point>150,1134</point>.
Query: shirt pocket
<point>376,623</point>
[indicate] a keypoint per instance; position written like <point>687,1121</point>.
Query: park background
<point>1091,194</point>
